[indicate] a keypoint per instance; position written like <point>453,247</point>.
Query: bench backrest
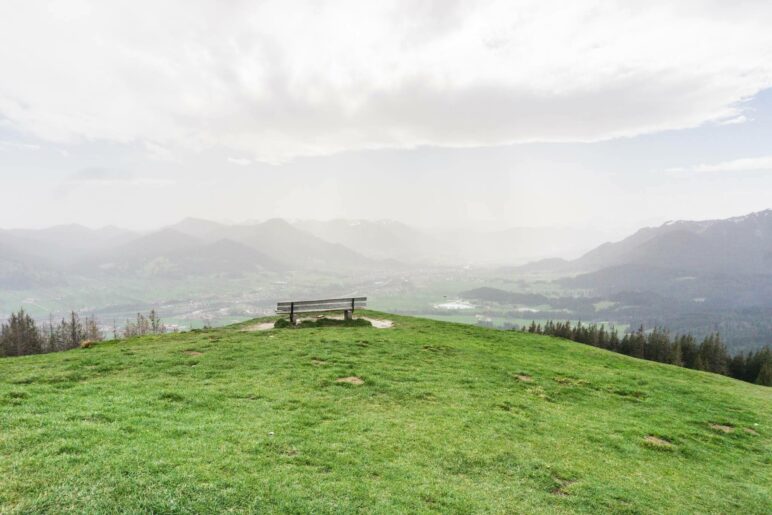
<point>310,306</point>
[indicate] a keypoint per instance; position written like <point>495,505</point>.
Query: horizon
<point>150,229</point>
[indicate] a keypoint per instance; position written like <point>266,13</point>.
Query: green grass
<point>322,321</point>
<point>220,420</point>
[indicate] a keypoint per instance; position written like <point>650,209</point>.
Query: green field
<point>449,419</point>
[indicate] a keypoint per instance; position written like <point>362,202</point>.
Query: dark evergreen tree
<point>737,367</point>
<point>19,336</point>
<point>675,356</point>
<point>755,361</point>
<point>765,374</point>
<point>613,340</point>
<point>657,345</point>
<point>689,350</point>
<point>699,363</point>
<point>714,354</point>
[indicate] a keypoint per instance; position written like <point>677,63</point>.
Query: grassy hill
<point>449,418</point>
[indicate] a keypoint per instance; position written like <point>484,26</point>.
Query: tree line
<point>20,335</point>
<point>657,345</point>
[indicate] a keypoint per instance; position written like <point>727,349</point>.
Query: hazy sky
<point>518,113</point>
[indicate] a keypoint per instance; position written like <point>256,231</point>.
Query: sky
<point>601,114</point>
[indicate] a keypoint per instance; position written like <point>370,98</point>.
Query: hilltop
<point>447,418</point>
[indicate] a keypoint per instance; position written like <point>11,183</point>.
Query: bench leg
<point>348,314</point>
<point>292,319</point>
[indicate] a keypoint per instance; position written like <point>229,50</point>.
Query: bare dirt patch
<point>722,427</point>
<point>381,323</point>
<point>350,380</point>
<point>751,431</point>
<point>193,353</point>
<point>656,441</point>
<point>318,362</point>
<point>525,378</point>
<point>262,326</point>
<point>563,484</point>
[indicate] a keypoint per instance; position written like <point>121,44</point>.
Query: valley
<point>202,273</point>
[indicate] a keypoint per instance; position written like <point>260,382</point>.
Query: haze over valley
<point>685,276</point>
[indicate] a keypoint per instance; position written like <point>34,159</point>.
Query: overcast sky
<point>511,113</point>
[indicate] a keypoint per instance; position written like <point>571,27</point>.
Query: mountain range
<point>29,258</point>
<point>716,264</point>
<point>741,244</point>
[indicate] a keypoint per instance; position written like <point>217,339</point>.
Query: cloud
<point>240,161</point>
<point>16,145</point>
<point>279,79</point>
<point>749,164</point>
<point>107,177</point>
<point>734,121</point>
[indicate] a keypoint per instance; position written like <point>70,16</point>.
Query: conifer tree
<point>714,354</point>
<point>675,356</point>
<point>19,336</point>
<point>689,350</point>
<point>765,374</point>
<point>737,366</point>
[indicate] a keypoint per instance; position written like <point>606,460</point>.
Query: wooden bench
<point>347,305</point>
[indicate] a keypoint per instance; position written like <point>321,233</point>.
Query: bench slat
<point>317,307</point>
<point>316,310</point>
<point>323,301</point>
<point>347,303</point>
<point>341,305</point>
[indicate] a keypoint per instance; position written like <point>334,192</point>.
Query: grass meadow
<point>424,417</point>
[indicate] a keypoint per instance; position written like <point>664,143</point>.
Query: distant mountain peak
<point>739,244</point>
<point>277,222</point>
<point>767,213</point>
<point>734,219</point>
<point>195,219</point>
<point>70,226</point>
<point>197,227</point>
